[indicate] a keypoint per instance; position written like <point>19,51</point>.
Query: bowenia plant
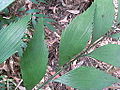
<point>96,21</point>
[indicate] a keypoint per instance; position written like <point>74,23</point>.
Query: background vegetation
<point>25,38</point>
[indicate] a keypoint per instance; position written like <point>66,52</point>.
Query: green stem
<point>58,72</point>
<point>49,80</point>
<point>63,68</point>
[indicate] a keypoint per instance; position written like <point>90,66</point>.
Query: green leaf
<point>20,48</point>
<point>116,36</point>
<point>103,19</point>
<point>34,1</point>
<point>87,78</point>
<point>40,15</point>
<point>33,11</point>
<point>1,18</point>
<point>118,11</point>
<point>6,11</point>
<point>35,58</point>
<point>5,3</point>
<point>108,53</point>
<point>50,26</point>
<point>49,20</point>
<point>43,1</point>
<point>22,9</point>
<point>76,35</point>
<point>10,37</point>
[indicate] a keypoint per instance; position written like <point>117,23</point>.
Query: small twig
<point>113,87</point>
<point>8,85</point>
<point>49,80</point>
<point>19,84</point>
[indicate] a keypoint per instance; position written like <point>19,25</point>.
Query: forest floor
<point>62,13</point>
